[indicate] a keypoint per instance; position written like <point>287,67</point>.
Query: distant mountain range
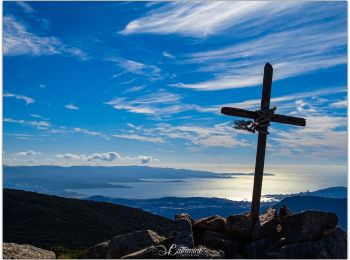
<point>331,192</point>
<point>56,179</point>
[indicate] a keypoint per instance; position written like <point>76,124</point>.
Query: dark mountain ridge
<point>53,222</point>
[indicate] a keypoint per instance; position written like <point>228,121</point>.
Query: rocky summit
<point>309,234</point>
<point>16,251</point>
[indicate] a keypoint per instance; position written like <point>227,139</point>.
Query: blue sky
<point>120,83</point>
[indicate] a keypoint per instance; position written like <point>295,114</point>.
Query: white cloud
<point>25,6</point>
<point>145,159</point>
<point>284,103</point>
<point>323,136</point>
<point>71,106</point>
<point>340,104</point>
<point>89,132</point>
<point>221,135</point>
<point>140,138</point>
<point>37,124</point>
<point>39,116</point>
<point>26,99</point>
<point>18,41</point>
<point>70,156</point>
<point>110,156</point>
<point>200,19</point>
<point>134,89</point>
<point>28,153</point>
<point>106,157</point>
<point>168,55</point>
<point>241,65</point>
<point>135,67</point>
<point>159,104</point>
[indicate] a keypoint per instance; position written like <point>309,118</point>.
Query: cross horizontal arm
<point>231,111</point>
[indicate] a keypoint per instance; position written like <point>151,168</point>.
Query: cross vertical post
<point>260,152</point>
<point>260,123</point>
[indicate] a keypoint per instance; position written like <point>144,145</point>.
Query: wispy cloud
<point>159,104</point>
<point>140,138</point>
<point>241,65</point>
<point>200,19</point>
<point>39,116</point>
<point>138,68</point>
<point>26,99</point>
<point>71,106</point>
<point>168,55</point>
<point>340,104</point>
<point>134,89</point>
<point>285,103</point>
<point>17,40</point>
<point>200,136</point>
<point>324,136</point>
<point>25,7</point>
<point>89,132</point>
<point>37,124</point>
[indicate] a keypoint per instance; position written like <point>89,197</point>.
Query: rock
<point>206,253</point>
<point>256,249</point>
<point>284,211</point>
<point>240,226</point>
<point>267,224</point>
<point>147,253</point>
<point>215,223</point>
<point>186,216</point>
<point>308,225</point>
<point>97,251</point>
<point>220,241</point>
<point>16,251</point>
<point>332,246</point>
<point>184,235</point>
<point>122,245</point>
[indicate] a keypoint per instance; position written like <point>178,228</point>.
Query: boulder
<point>220,241</point>
<point>332,246</point>
<point>206,253</point>
<point>284,211</point>
<point>122,245</point>
<point>239,226</point>
<point>97,251</point>
<point>183,235</point>
<point>266,225</point>
<point>186,216</point>
<point>256,249</point>
<point>215,223</point>
<point>16,251</point>
<point>308,225</point>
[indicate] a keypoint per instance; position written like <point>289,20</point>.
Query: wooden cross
<point>261,121</point>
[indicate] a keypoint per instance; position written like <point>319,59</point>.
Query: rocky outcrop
<point>309,234</point>
<point>332,245</point>
<point>123,245</point>
<point>308,225</point>
<point>16,251</point>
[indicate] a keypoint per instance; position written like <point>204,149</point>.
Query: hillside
<point>52,222</point>
<point>301,203</point>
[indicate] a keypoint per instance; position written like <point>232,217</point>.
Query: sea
<point>236,188</point>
